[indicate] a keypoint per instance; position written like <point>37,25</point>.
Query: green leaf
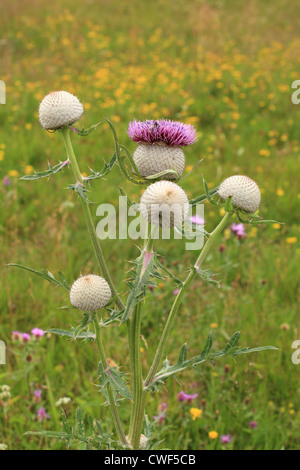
<point>47,275</point>
<point>57,435</point>
<point>208,194</point>
<point>46,174</point>
<point>66,426</point>
<point>88,335</point>
<point>204,197</point>
<point>251,350</point>
<point>117,383</point>
<point>84,132</point>
<point>105,170</point>
<point>206,355</point>
<point>255,219</point>
<point>207,277</point>
<point>80,190</point>
<point>171,276</point>
<point>115,378</point>
<point>139,277</point>
<point>79,428</point>
<point>158,176</point>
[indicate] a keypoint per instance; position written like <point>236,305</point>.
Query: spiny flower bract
<point>89,293</point>
<point>164,203</point>
<point>155,158</point>
<point>244,192</point>
<point>59,109</point>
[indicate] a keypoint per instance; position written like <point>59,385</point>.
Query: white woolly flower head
<point>59,109</point>
<point>152,159</point>
<point>89,293</point>
<point>244,192</point>
<point>164,204</point>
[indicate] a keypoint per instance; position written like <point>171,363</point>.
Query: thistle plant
<point>164,204</point>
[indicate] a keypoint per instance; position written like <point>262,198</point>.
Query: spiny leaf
<point>140,277</point>
<point>207,277</point>
<point>79,427</point>
<point>46,174</point>
<point>251,350</point>
<point>47,275</point>
<point>72,334</point>
<point>79,189</point>
<point>105,170</point>
<point>163,173</point>
<point>204,197</point>
<point>84,132</point>
<point>114,377</point>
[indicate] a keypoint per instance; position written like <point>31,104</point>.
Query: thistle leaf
<point>47,173</point>
<point>84,132</point>
<point>47,275</point>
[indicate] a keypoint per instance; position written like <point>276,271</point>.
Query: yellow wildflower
<point>213,434</point>
<point>196,413</point>
<point>13,173</point>
<point>291,240</point>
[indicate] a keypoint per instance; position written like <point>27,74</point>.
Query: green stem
<point>137,412</point>
<point>177,302</point>
<point>88,218</point>
<point>137,387</point>
<point>111,400</point>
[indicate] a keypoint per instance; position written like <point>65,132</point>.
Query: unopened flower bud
<point>89,293</point>
<point>164,204</point>
<point>59,109</point>
<point>244,192</point>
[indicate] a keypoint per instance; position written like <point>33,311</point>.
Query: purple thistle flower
<point>176,291</point>
<point>226,438</point>
<point>173,133</point>
<point>37,332</point>
<point>182,396</point>
<point>25,337</point>
<point>42,415</point>
<point>16,335</point>
<point>6,181</point>
<point>253,424</point>
<point>196,219</point>
<point>238,230</point>
<point>37,395</point>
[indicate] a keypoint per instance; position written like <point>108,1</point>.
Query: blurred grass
<point>227,68</point>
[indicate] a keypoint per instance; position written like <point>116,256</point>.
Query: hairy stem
<point>88,218</point>
<point>137,412</point>
<point>138,391</point>
<point>177,302</point>
<point>111,400</point>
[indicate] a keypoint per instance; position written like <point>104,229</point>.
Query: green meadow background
<point>226,67</point>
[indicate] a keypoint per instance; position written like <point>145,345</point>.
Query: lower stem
<point>111,400</point>
<point>138,391</point>
<point>137,412</point>
<point>88,218</point>
<point>177,302</point>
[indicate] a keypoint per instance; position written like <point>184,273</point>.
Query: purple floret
<point>173,133</point>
